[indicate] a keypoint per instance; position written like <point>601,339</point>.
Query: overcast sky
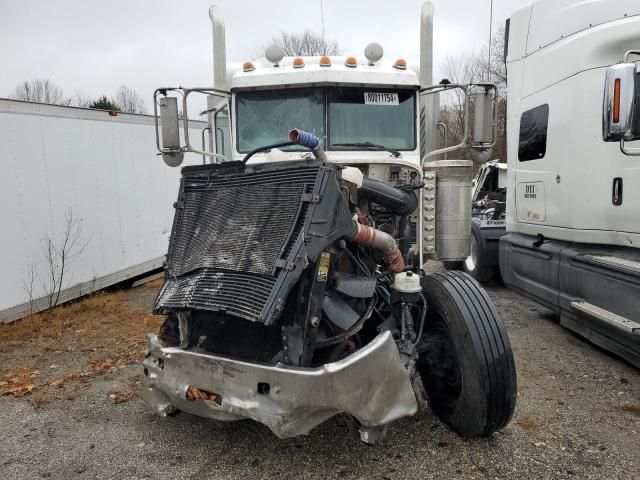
<point>95,46</point>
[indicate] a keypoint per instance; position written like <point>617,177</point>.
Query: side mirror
<point>167,122</point>
<point>621,109</point>
<point>172,153</point>
<point>484,104</point>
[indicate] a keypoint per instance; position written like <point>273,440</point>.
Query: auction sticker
<point>377,98</point>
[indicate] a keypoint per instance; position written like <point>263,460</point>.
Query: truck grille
<point>234,232</point>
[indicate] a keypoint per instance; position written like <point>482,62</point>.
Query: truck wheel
<point>475,263</point>
<point>466,363</point>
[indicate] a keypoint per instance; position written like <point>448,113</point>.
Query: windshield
<point>266,116</point>
<point>355,116</point>
<point>366,115</point>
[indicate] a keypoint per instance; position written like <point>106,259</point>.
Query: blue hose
<point>306,139</point>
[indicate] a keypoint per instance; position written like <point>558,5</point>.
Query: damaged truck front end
<point>259,325</point>
<point>289,400</point>
<point>293,293</point>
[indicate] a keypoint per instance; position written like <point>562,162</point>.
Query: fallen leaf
<point>20,390</point>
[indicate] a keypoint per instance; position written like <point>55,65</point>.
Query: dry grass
<point>87,319</point>
<point>154,284</point>
<point>62,348</point>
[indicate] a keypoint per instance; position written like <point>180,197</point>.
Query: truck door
<point>621,187</point>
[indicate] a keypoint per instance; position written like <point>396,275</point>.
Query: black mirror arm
<point>262,149</point>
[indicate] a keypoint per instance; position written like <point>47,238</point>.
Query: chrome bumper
<point>372,385</point>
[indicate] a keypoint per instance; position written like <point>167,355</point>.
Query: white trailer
<point>97,169</point>
<point>573,218</point>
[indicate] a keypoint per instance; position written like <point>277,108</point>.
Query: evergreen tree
<point>104,103</point>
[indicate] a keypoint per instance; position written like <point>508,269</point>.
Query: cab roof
<point>381,74</point>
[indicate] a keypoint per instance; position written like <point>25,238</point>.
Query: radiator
<point>242,236</point>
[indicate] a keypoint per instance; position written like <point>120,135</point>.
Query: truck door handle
<point>616,194</point>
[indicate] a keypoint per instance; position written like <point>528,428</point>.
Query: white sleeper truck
<point>573,200</point>
<point>294,290</point>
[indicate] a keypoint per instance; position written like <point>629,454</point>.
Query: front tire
<point>466,363</point>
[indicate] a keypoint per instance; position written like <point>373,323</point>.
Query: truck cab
<point>365,111</point>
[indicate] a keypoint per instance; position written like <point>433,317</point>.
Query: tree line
<point>40,90</point>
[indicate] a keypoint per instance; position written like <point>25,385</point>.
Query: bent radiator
<point>242,235</point>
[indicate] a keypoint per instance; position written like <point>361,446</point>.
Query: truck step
<point>611,318</point>
<point>616,263</point>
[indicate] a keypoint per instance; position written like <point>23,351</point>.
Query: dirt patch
<point>53,354</point>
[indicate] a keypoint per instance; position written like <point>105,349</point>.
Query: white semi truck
<point>573,200</point>
<point>294,289</point>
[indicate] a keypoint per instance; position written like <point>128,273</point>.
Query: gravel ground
<point>578,416</point>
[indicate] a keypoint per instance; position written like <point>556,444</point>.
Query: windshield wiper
<point>370,146</point>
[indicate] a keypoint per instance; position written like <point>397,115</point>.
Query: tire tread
<point>483,321</point>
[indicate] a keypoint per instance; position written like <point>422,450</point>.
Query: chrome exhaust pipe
<point>426,45</point>
<point>219,48</point>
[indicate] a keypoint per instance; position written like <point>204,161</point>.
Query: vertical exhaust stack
<point>426,45</point>
<point>219,48</point>
<point>429,104</point>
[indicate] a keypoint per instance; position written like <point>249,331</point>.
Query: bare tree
<point>81,99</point>
<point>40,91</point>
<point>59,256</point>
<point>129,100</point>
<point>307,43</point>
<point>28,282</point>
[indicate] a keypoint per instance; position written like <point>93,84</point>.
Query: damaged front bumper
<point>371,385</point>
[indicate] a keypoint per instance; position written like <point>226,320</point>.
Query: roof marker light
<point>351,62</point>
<point>401,64</point>
<point>248,67</point>
<point>298,62</point>
<point>325,61</point>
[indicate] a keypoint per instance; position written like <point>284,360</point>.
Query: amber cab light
<point>248,67</point>
<point>298,62</point>
<point>351,62</point>
<point>401,64</point>
<point>325,61</point>
<point>616,101</point>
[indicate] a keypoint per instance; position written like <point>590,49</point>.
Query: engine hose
<point>309,140</point>
<point>379,240</point>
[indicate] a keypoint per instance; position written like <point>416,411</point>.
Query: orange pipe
<point>370,237</point>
